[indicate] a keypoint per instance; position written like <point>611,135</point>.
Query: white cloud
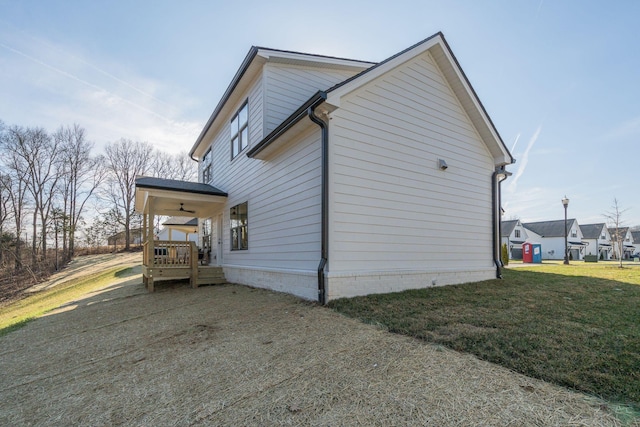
<point>51,86</point>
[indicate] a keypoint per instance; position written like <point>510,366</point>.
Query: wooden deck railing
<point>164,259</point>
<point>166,253</point>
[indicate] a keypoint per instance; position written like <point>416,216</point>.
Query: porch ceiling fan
<point>182,209</point>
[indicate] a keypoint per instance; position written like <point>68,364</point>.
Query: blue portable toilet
<point>532,253</point>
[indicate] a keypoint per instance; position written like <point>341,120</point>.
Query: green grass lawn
<point>577,325</point>
<point>19,313</point>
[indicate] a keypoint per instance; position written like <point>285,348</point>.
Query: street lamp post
<point>565,203</point>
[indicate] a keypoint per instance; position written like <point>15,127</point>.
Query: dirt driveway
<point>231,355</point>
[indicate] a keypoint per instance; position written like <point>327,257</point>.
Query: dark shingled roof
<point>507,227</point>
<point>636,236</point>
<point>175,185</point>
<point>549,228</point>
<point>592,231</point>
<point>181,220</point>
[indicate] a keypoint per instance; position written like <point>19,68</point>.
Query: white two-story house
<point>598,240</point>
<point>513,235</point>
<point>331,177</point>
<point>551,235</point>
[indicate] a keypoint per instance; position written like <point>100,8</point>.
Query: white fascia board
<point>334,96</point>
<point>303,58</point>
<point>505,158</point>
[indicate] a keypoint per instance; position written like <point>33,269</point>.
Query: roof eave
<point>225,97</point>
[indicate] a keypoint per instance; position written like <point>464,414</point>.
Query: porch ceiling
<point>177,198</point>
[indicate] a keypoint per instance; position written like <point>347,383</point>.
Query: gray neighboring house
<point>628,247</point>
<point>513,234</point>
<point>551,235</point>
<point>636,242</point>
<point>598,240</point>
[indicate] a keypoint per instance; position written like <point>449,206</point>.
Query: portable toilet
<point>532,253</point>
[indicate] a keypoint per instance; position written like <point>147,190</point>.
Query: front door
<point>220,241</point>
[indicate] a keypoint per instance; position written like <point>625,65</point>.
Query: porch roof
<point>177,198</point>
<point>182,223</point>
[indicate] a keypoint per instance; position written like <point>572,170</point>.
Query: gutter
<point>324,239</point>
<point>302,112</point>
<point>497,222</point>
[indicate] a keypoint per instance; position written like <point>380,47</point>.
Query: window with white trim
<point>240,130</point>
<point>206,167</point>
<point>517,234</point>
<point>239,216</point>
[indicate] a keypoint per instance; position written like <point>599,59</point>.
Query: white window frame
<point>239,130</point>
<point>206,167</point>
<point>239,227</point>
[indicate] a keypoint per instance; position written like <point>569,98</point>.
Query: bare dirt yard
<point>232,355</point>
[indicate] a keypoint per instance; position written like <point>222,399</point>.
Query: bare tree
<point>33,151</point>
<point>15,188</point>
<point>82,174</point>
<point>124,161</point>
<point>615,224</point>
<point>5,211</point>
<point>173,166</point>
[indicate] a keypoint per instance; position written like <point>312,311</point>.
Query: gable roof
<point>622,230</point>
<point>592,231</point>
<point>436,45</point>
<point>549,228</point>
<point>455,76</point>
<point>507,227</point>
<point>251,66</point>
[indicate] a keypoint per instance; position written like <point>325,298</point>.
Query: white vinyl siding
<point>284,207</point>
<point>392,208</point>
<point>288,87</point>
<point>283,194</point>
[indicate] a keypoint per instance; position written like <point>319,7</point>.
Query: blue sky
<point>560,79</point>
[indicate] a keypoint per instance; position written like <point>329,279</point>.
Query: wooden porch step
<point>210,275</point>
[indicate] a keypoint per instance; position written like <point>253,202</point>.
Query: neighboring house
<point>326,177</point>
<point>628,248</point>
<point>120,238</point>
<point>598,240</point>
<point>179,228</point>
<point>550,234</point>
<point>635,235</point>
<point>513,235</point>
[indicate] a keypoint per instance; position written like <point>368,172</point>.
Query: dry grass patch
<point>231,355</point>
<point>577,327</point>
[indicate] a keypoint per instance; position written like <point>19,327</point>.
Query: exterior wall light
<point>442,164</point>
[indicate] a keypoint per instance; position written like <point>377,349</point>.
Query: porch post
<point>145,251</point>
<point>150,243</point>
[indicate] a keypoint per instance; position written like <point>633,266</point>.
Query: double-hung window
<point>517,234</point>
<point>206,167</point>
<point>239,216</point>
<point>240,130</point>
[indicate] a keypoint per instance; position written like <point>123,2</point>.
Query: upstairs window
<point>240,130</point>
<point>206,167</point>
<point>517,234</point>
<point>574,233</point>
<point>239,216</point>
<point>603,236</point>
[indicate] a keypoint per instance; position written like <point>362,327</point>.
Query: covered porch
<point>168,259</point>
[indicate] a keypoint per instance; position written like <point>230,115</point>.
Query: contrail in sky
<point>91,85</point>
<point>88,64</point>
<point>525,160</point>
<point>515,143</point>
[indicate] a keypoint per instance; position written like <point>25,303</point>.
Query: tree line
<point>54,190</point>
